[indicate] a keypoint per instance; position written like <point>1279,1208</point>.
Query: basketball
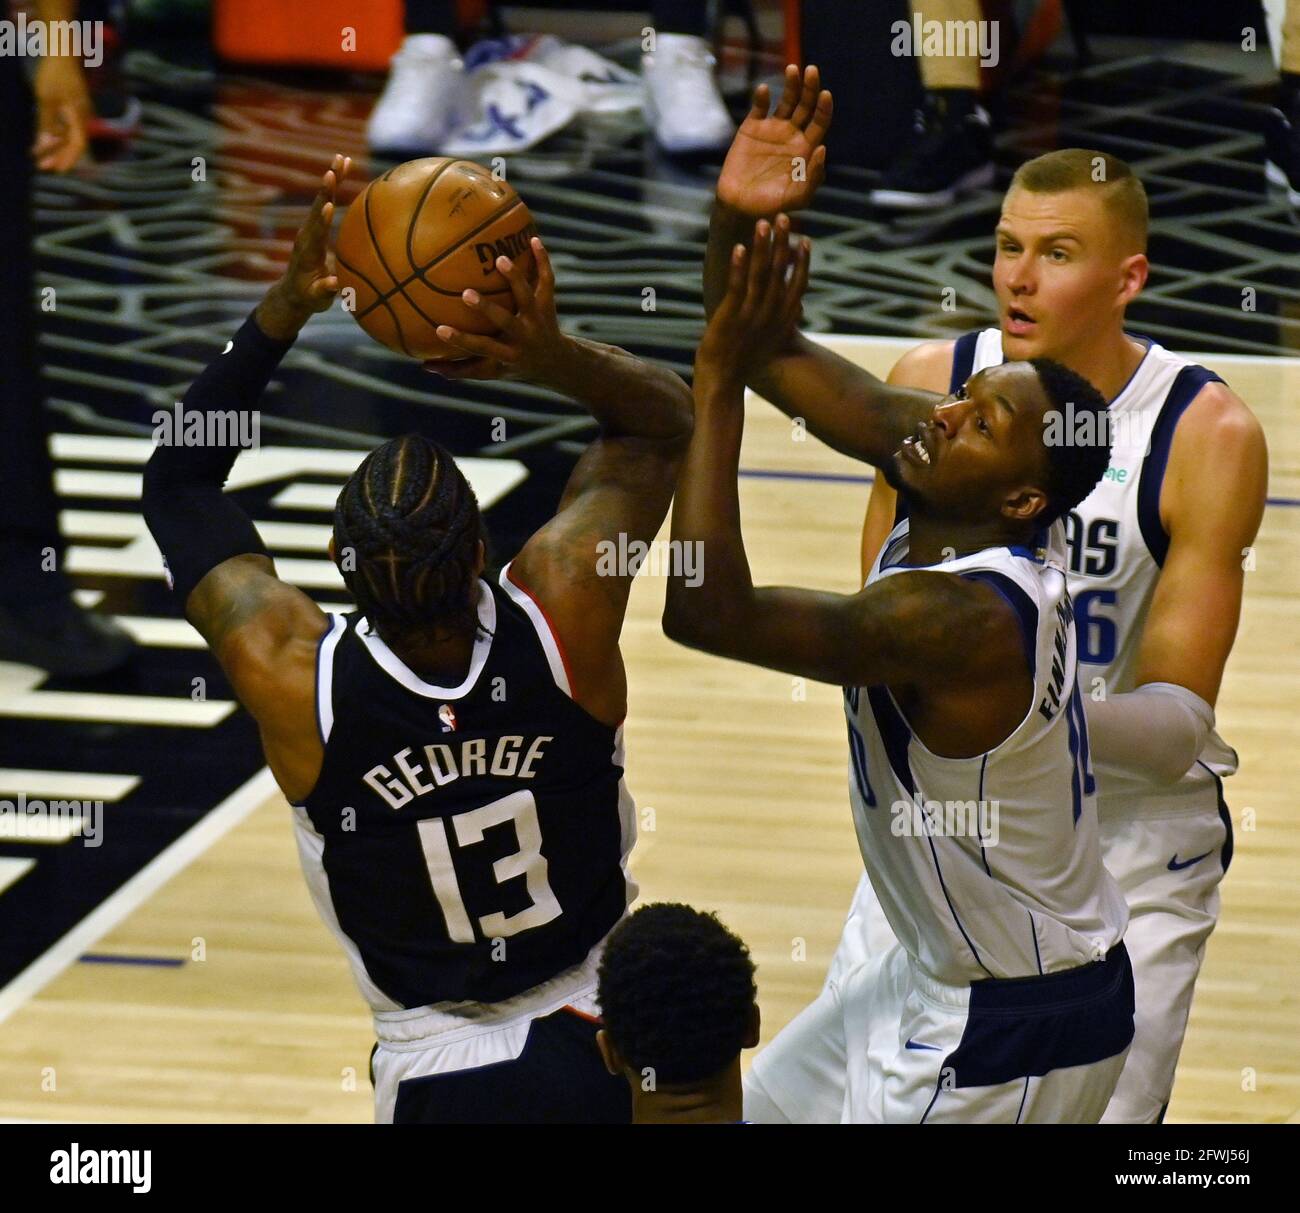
<point>416,238</point>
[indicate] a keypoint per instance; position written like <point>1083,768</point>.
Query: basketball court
<point>180,972</point>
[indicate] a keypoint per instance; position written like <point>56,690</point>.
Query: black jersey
<point>469,842</point>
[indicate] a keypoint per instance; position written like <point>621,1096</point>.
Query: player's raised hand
<point>760,311</point>
<point>309,280</point>
<point>778,160</point>
<point>308,284</point>
<point>528,342</point>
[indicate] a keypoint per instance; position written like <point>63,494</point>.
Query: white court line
<point>120,486</point>
<point>78,785</point>
<point>143,885</point>
<point>13,869</point>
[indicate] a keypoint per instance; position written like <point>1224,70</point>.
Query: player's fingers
<point>798,284</point>
<point>775,284</point>
<point>310,239</point>
<point>736,271</point>
<point>817,167</point>
<point>504,319</point>
<point>810,87</point>
<point>789,93</point>
<point>761,102</point>
<point>514,274</point>
<point>821,119</point>
<point>476,343</point>
<point>337,173</point>
<point>545,271</point>
<point>322,290</point>
<point>760,260</point>
<point>329,178</point>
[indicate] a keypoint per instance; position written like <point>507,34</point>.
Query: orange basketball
<point>417,237</point>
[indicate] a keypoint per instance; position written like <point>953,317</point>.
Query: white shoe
<point>683,103</point>
<point>421,102</point>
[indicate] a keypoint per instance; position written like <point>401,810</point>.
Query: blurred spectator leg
<point>39,622</point>
<point>951,151</point>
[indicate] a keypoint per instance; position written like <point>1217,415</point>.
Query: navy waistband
<point>1028,1026</point>
<point>1052,991</point>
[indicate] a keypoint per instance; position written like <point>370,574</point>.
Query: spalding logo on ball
<point>416,238</point>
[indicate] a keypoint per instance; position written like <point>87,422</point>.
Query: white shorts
<point>1172,911</point>
<point>885,1043</point>
<point>530,1059</point>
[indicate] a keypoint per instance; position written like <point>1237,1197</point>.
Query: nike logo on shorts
<point>1175,866</point>
<point>913,1044</point>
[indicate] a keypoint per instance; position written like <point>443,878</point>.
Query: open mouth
<point>915,449</point>
<point>1018,320</point>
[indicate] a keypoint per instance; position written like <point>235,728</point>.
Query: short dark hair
<point>1078,457</point>
<point>411,525</point>
<point>676,991</point>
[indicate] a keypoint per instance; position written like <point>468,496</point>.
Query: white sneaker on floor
<point>683,104</point>
<point>421,101</point>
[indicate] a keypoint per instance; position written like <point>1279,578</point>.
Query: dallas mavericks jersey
<point>988,866</point>
<point>1115,541</point>
<point>463,843</point>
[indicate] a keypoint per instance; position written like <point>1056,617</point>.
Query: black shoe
<point>951,154</point>
<point>61,638</point>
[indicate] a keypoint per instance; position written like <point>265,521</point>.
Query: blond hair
<point>1077,168</point>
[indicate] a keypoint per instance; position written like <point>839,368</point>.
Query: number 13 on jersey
<point>528,861</point>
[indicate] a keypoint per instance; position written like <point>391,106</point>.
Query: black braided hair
<point>406,533</point>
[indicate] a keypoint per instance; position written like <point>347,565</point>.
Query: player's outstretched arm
<point>775,164</point>
<point>1211,510</point>
<point>914,628</point>
<point>581,564</point>
<point>262,631</point>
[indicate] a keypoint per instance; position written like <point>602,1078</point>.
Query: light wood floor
<point>746,774</point>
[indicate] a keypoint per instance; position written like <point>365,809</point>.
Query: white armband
<point>1156,730</point>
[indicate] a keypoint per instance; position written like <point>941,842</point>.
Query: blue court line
<point>848,478</point>
<point>103,958</point>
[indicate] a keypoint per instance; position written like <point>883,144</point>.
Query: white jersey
<point>988,866</point>
<point>1116,542</point>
